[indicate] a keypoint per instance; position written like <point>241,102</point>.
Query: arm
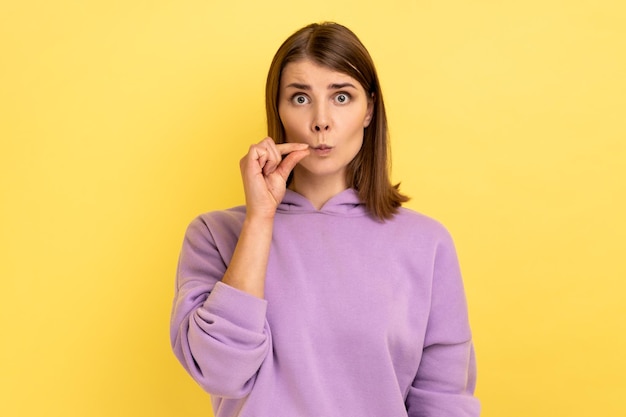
<point>446,378</point>
<point>264,174</point>
<point>217,332</point>
<point>218,328</point>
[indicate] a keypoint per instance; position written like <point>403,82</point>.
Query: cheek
<point>357,124</point>
<point>354,118</point>
<point>293,125</point>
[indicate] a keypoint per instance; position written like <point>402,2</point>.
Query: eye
<point>342,98</point>
<point>300,99</point>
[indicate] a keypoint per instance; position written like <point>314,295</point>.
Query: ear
<point>370,111</point>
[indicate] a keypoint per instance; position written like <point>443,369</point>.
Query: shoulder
<point>217,224</point>
<point>419,230</point>
<point>414,221</point>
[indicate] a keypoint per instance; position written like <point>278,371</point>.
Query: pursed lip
<point>322,150</point>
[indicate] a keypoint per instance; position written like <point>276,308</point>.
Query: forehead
<point>308,72</point>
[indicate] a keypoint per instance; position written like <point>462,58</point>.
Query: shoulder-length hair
<point>336,47</point>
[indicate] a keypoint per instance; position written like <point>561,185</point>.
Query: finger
<point>281,150</point>
<point>271,147</point>
<point>273,158</point>
<point>275,154</point>
<point>270,165</point>
<point>285,148</point>
<point>254,160</point>
<point>261,157</point>
<point>290,161</point>
<point>268,155</point>
<point>267,148</point>
<point>263,147</point>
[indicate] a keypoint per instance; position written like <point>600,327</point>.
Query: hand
<point>265,172</point>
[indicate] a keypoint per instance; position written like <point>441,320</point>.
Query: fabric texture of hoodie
<point>360,317</point>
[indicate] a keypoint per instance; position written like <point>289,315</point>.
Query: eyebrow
<point>330,86</point>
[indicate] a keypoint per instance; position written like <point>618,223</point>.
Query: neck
<point>317,189</point>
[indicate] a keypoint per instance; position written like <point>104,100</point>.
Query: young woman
<point>322,296</point>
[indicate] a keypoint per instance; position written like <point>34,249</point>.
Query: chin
<point>320,169</point>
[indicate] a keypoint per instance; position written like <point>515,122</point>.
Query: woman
<point>322,296</point>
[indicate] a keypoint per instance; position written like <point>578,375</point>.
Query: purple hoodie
<point>360,317</point>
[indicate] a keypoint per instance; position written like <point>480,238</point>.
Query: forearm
<point>217,332</point>
<point>224,341</point>
<point>264,172</point>
<point>248,265</point>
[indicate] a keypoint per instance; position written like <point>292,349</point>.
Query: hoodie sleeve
<point>446,377</point>
<point>218,333</point>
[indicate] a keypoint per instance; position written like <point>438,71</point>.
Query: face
<point>327,110</point>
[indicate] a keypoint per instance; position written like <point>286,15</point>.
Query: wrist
<point>259,217</point>
<point>258,224</point>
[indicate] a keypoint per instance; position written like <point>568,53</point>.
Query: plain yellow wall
<point>122,120</point>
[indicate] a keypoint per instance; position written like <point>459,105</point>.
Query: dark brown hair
<point>338,48</point>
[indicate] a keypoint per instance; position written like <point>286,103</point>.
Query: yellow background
<point>122,120</point>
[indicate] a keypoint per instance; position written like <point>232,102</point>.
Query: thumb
<point>290,161</point>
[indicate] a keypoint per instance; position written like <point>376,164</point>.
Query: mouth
<point>322,150</point>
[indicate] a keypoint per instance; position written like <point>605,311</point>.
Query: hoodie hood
<point>346,203</point>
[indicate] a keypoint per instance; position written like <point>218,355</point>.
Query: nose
<point>320,127</point>
<point>320,119</point>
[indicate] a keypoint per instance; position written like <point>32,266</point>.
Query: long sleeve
<point>446,377</point>
<point>218,333</point>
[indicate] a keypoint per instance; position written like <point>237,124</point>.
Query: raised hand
<point>265,170</point>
